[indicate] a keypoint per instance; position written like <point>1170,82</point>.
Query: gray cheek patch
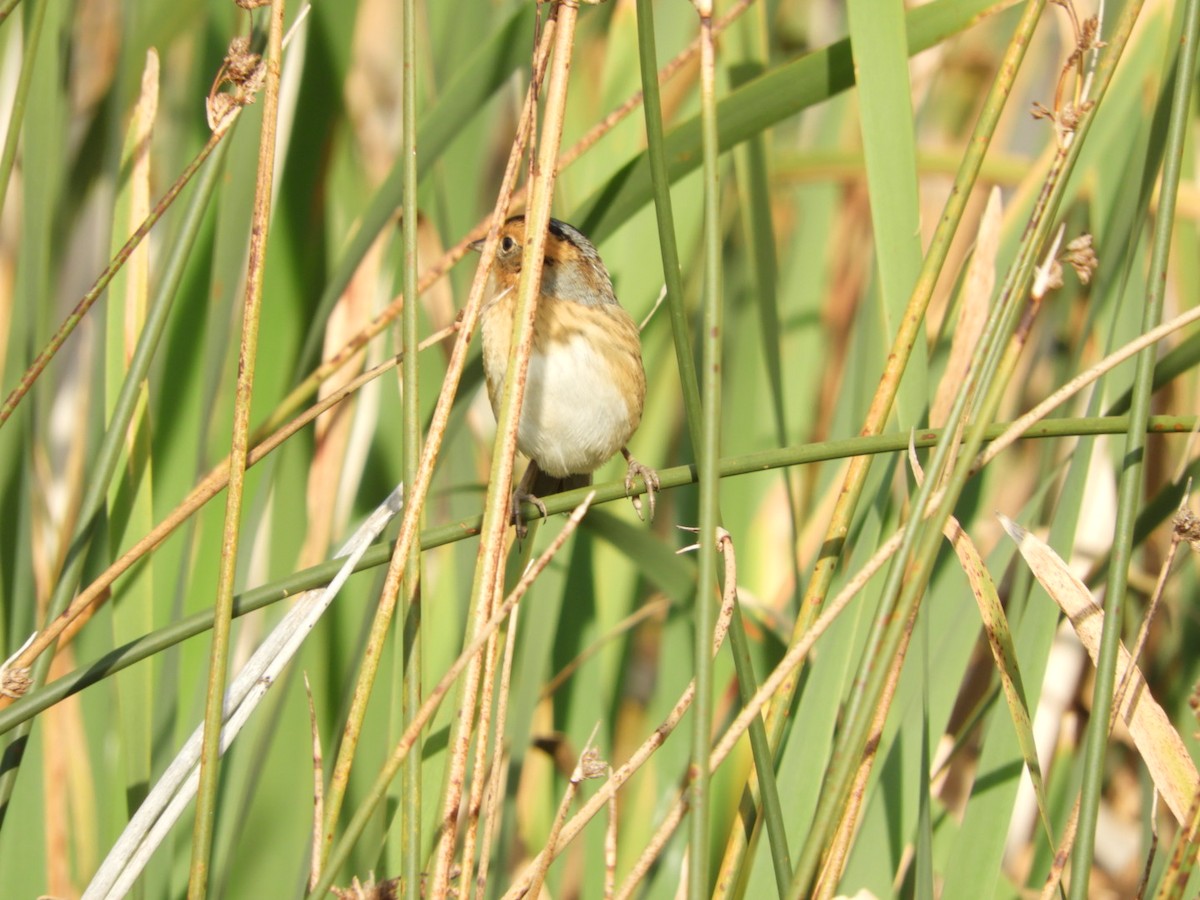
<point>573,283</point>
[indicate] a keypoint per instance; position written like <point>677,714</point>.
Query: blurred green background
<point>829,198</point>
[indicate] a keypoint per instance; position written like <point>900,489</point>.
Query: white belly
<point>574,418</point>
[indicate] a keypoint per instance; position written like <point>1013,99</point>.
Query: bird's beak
<point>477,246</point>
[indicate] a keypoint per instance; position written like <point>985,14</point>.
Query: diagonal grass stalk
<point>418,492</point>
<point>910,570</point>
<point>109,454</point>
<point>8,156</point>
<point>1183,65</point>
<point>685,363</point>
<point>489,562</point>
<point>405,745</point>
<point>903,344</point>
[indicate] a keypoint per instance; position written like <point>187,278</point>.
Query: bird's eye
<point>507,244</point>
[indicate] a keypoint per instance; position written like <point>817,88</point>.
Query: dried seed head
<point>1081,257</point>
<point>1089,35</point>
<point>1054,277</point>
<point>1041,111</point>
<point>15,682</point>
<point>1187,528</point>
<point>1072,115</point>
<point>218,107</point>
<point>243,72</point>
<point>240,63</point>
<point>591,765</point>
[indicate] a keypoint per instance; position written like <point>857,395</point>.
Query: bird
<point>586,387</point>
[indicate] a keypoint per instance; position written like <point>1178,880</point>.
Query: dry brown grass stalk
<point>318,789</point>
<point>471,651</point>
<point>496,506</point>
<point>497,782</point>
<point>209,487</point>
<point>657,738</point>
<point>588,766</point>
<point>481,775</point>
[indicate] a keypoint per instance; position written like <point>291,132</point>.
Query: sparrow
<point>586,387</point>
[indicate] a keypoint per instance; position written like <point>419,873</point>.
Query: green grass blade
<point>782,92</point>
<point>489,68</point>
<point>1183,66</point>
<point>877,38</point>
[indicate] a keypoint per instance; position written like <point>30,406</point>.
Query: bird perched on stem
<point>585,387</point>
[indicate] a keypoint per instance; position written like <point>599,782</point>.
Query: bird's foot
<point>648,475</point>
<point>519,496</point>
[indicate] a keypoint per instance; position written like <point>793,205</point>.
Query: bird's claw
<point>521,496</point>
<point>649,476</point>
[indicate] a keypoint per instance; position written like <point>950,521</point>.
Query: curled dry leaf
<point>1155,737</point>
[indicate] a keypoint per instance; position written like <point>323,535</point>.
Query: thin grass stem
<point>417,492</point>
<point>1129,488</point>
<point>407,741</point>
<point>218,666</point>
<point>409,626</point>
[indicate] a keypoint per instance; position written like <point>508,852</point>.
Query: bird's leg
<point>648,475</point>
<point>524,492</point>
